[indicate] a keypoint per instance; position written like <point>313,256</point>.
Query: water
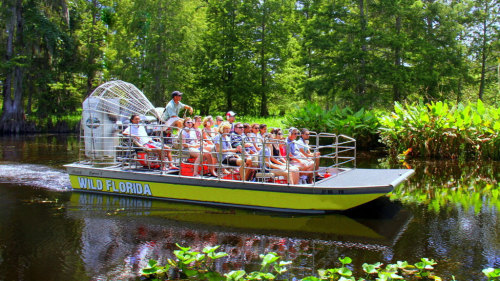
<point>448,212</point>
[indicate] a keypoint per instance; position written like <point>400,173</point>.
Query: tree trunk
<point>396,89</point>
<point>362,71</point>
<point>12,120</point>
<point>264,111</point>
<point>483,55</point>
<point>92,51</point>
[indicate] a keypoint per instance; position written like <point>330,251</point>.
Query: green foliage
<point>194,266</point>
<point>154,270</point>
<point>254,57</point>
<point>362,124</point>
<point>442,130</point>
<point>492,273</point>
<point>271,122</point>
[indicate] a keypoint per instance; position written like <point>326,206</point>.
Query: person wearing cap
<point>174,106</point>
<point>230,116</point>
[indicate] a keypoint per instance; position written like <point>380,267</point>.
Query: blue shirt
<point>172,109</point>
<point>226,144</point>
<point>292,147</point>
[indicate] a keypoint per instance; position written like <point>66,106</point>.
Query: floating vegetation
<point>192,265</point>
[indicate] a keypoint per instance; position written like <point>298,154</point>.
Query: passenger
<point>246,129</point>
<point>262,131</point>
<point>196,126</point>
<point>281,143</point>
<point>218,120</point>
<point>230,117</point>
<point>278,142</point>
<point>142,139</point>
<point>270,166</point>
<point>174,106</point>
<point>228,153</point>
<point>212,161</point>
<point>208,133</point>
<point>305,149</point>
<point>172,131</point>
<point>254,130</point>
<point>252,136</point>
<point>295,156</point>
<point>239,138</point>
<point>191,145</point>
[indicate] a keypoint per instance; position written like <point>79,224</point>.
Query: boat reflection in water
<point>124,232</point>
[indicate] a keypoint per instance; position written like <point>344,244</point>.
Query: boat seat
<point>265,177</point>
<point>131,154</point>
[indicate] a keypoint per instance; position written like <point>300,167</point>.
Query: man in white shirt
<point>303,146</point>
<point>142,139</point>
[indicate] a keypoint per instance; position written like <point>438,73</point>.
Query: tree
<point>483,28</point>
<point>12,119</point>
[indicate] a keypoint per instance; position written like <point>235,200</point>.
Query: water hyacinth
<point>442,130</point>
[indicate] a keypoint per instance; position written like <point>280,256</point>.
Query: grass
<point>271,122</point>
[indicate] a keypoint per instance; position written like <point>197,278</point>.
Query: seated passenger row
<point>249,147</point>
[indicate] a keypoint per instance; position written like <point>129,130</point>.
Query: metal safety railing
<point>326,154</point>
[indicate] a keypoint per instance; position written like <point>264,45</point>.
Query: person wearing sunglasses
<point>271,165</point>
<point>252,136</point>
<point>305,149</point>
<point>238,138</point>
<point>227,154</point>
<point>218,121</point>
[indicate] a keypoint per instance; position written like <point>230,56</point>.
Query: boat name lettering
<point>114,186</point>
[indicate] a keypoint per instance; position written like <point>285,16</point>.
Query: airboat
<point>110,163</point>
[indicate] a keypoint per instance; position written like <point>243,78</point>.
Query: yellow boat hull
<point>223,196</point>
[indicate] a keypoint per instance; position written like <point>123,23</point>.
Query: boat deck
<point>355,178</point>
<point>346,178</point>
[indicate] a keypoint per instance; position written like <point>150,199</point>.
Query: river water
<point>448,212</point>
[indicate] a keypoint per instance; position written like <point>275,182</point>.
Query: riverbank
<point>433,130</point>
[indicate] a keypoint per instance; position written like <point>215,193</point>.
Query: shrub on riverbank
<point>442,130</point>
<point>362,125</point>
<point>56,124</point>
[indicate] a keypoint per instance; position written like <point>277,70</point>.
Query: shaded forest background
<point>256,57</point>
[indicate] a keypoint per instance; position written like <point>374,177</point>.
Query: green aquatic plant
<point>271,268</point>
<point>190,264</point>
<point>492,273</point>
<point>200,266</point>
<point>153,270</point>
<point>340,273</point>
<point>442,130</point>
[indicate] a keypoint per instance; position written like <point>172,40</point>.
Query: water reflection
<point>447,185</point>
<point>118,229</point>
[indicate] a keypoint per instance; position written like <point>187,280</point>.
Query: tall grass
<point>271,122</point>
